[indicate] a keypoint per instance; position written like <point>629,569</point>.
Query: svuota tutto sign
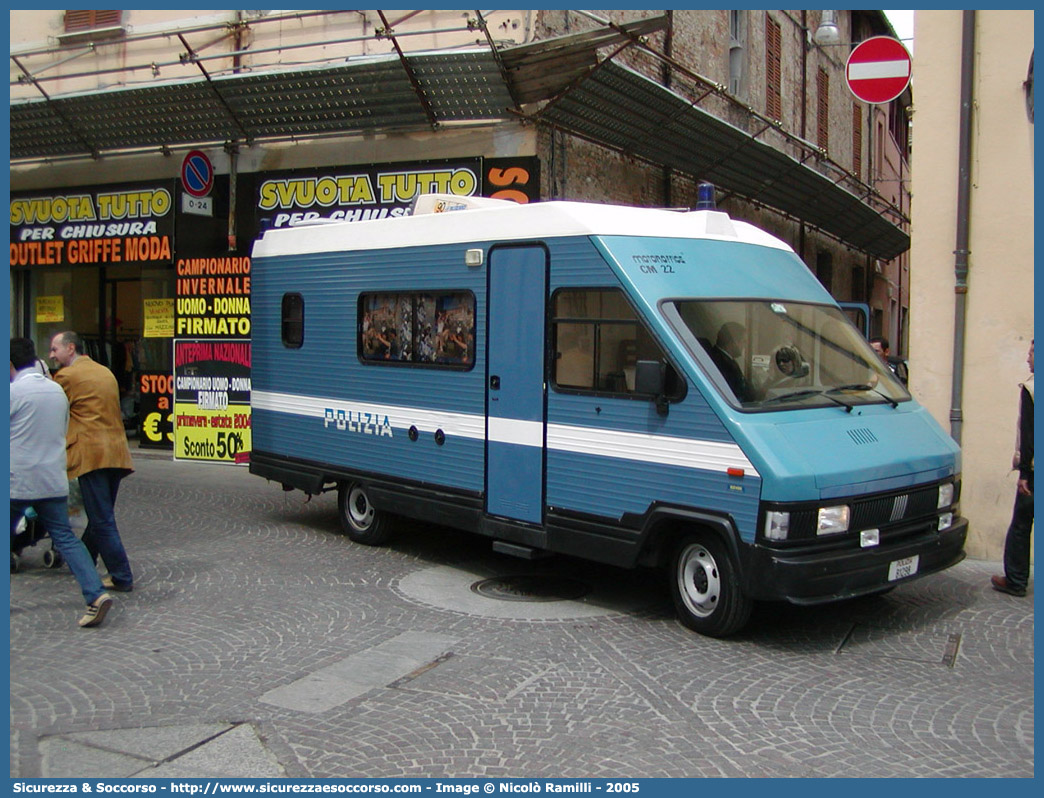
<point>126,224</point>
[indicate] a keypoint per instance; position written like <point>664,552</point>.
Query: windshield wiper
<point>809,392</point>
<point>865,386</point>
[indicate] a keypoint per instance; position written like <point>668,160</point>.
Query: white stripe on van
<point>646,448</point>
<point>635,446</point>
<point>516,431</point>
<point>462,424</point>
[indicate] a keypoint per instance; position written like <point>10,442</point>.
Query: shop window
<point>434,329</point>
<point>598,339</point>
<point>293,321</point>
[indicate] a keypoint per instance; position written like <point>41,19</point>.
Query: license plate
<point>900,569</point>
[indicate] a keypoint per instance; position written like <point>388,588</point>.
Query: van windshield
<point>781,355</point>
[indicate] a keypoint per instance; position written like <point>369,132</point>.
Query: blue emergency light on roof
<point>705,197</point>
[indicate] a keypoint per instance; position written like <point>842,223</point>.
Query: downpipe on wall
<point>963,203</point>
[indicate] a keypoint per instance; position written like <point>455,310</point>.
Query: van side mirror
<point>650,377</point>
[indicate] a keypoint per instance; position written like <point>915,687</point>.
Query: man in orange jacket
<point>96,450</point>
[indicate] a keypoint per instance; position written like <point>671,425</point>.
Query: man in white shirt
<point>39,418</point>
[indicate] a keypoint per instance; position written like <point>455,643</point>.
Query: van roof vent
<point>713,223</point>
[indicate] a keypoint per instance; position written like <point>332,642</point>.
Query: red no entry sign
<point>878,69</point>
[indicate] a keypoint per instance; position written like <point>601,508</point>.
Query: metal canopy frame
<point>559,82</point>
<point>363,95</point>
<point>626,111</point>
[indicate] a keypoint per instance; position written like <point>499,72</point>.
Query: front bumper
<point>801,576</point>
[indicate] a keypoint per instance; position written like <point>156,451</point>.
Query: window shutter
<point>81,19</point>
<point>823,109</point>
<point>857,140</point>
<point>773,69</point>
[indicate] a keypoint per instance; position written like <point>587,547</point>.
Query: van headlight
<point>832,520</point>
<point>946,492</point>
<point>777,525</point>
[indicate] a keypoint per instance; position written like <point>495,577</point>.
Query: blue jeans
<point>54,515</point>
<point>99,489</point>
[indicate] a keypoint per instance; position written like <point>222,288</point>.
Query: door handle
<point>494,383</point>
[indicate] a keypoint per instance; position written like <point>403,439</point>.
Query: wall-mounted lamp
<point>828,33</point>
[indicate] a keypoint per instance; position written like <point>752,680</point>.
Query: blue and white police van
<point>634,386</point>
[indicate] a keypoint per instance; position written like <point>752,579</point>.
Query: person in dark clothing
<point>898,366</point>
<point>1017,542</point>
<point>728,347</point>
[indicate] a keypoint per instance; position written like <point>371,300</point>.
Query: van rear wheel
<point>360,520</point>
<point>705,587</point>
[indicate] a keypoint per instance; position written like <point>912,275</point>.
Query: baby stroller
<point>28,533</point>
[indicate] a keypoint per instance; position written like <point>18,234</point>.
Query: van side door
<point>515,386</point>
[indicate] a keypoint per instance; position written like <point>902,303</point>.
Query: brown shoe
<point>96,611</point>
<point>120,587</point>
<point>1000,583</point>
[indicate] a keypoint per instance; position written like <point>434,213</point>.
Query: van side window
<point>417,328</point>
<point>293,321</point>
<point>597,341</point>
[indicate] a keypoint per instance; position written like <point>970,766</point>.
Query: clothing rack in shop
<point>125,357</point>
<point>97,348</point>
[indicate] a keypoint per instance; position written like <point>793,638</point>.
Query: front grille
<point>897,514</point>
<point>892,509</point>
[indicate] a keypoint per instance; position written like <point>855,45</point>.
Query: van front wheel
<point>360,520</point>
<point>705,587</point>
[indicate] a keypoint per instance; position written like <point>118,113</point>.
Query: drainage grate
<point>409,677</point>
<point>953,645</point>
<point>895,644</point>
<point>531,587</point>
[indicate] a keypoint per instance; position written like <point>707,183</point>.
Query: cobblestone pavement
<point>260,641</point>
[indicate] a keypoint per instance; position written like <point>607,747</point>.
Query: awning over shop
<point>560,82</point>
<point>358,96</point>
<point>620,108</point>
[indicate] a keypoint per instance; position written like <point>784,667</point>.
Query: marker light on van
<point>777,525</point>
<point>832,520</point>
